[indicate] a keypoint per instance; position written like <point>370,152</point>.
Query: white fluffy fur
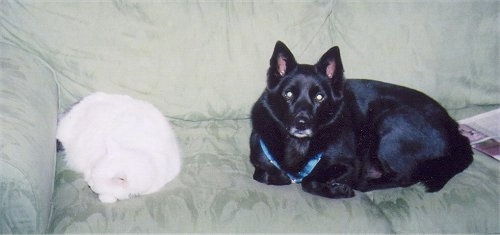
<point>123,146</point>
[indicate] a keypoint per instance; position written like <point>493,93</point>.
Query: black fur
<point>373,135</point>
<point>59,146</point>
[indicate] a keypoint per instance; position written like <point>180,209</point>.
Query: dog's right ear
<point>281,63</point>
<point>330,64</point>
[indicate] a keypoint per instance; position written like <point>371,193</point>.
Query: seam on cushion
<point>208,119</point>
<point>55,80</point>
<point>473,106</point>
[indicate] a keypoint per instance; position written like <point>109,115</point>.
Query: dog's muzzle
<point>301,127</point>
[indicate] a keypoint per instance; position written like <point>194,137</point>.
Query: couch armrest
<point>28,120</point>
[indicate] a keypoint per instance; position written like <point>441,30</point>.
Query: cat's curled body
<point>123,146</point>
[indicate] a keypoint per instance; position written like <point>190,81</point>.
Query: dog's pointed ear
<point>330,65</point>
<point>281,63</point>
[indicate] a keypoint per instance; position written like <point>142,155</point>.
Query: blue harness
<point>296,179</point>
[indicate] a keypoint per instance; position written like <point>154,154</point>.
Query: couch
<point>203,64</point>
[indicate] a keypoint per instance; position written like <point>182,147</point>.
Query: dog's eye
<point>319,97</point>
<point>288,95</point>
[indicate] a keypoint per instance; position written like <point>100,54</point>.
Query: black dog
<point>332,135</point>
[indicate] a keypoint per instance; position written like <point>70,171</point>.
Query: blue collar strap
<point>296,179</point>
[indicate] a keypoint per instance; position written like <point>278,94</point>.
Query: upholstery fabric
<point>28,117</point>
<point>203,64</point>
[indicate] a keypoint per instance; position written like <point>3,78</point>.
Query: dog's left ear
<point>330,65</point>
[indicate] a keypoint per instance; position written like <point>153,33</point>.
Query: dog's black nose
<point>302,122</point>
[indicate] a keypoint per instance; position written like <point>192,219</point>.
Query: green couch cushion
<point>215,192</point>
<point>203,64</point>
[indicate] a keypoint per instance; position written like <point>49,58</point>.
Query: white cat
<point>123,146</point>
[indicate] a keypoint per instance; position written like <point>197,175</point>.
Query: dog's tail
<point>435,173</point>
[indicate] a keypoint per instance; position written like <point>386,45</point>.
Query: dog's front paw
<point>337,190</point>
<point>328,189</point>
<point>267,178</point>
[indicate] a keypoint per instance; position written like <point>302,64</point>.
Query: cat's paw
<point>107,198</point>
